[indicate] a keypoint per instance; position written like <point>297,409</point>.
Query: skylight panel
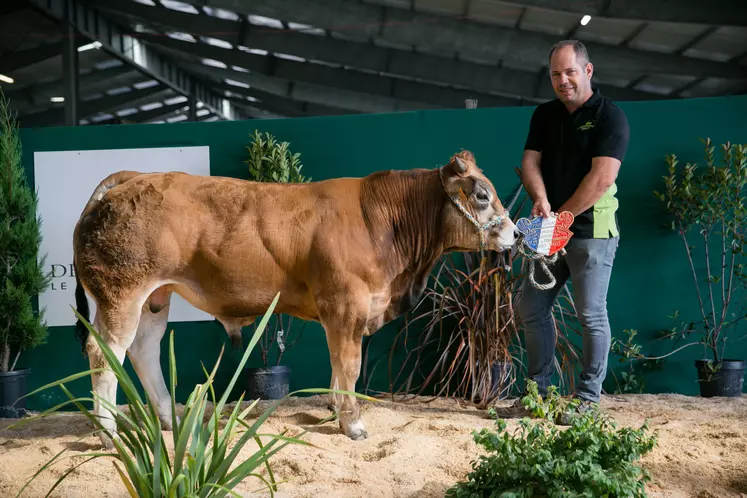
<point>179,6</point>
<point>265,21</point>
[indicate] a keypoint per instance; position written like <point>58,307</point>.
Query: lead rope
<point>543,261</point>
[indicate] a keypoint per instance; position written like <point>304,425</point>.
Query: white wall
<point>65,181</point>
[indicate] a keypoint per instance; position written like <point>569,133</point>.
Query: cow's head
<point>476,217</point>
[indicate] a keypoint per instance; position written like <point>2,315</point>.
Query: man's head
<point>570,72</point>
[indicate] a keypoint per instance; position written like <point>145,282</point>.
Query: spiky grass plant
<point>203,453</point>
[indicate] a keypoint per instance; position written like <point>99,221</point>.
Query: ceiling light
<point>6,79</point>
<point>83,48</point>
<point>585,20</point>
<point>57,99</point>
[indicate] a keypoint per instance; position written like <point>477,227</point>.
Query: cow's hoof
<point>359,436</point>
<point>355,431</point>
<point>166,423</point>
<point>106,441</point>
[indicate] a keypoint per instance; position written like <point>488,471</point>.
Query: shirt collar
<point>596,97</point>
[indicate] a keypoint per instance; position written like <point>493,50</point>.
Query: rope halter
<point>481,228</point>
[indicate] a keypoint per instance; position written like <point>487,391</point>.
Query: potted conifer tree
<point>21,276</point>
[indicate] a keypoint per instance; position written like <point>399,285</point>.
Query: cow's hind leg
<point>117,326</point>
<point>145,354</point>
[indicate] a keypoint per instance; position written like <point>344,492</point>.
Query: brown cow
<point>349,253</point>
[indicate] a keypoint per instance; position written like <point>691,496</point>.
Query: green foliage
<point>205,460</point>
<point>709,203</point>
<point>592,458</point>
<point>21,276</point>
<point>628,351</point>
<point>272,161</point>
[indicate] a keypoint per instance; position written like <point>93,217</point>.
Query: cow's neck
<point>404,214</point>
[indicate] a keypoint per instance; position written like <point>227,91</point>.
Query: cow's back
<point>237,242</point>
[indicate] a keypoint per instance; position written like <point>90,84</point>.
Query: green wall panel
<point>651,277</point>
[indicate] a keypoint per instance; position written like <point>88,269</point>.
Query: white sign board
<point>65,181</point>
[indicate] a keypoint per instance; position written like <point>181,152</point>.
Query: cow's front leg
<point>345,355</point>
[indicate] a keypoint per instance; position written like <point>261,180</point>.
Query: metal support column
<point>192,100</point>
<point>70,66</point>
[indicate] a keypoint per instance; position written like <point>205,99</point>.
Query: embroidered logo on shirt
<point>586,126</point>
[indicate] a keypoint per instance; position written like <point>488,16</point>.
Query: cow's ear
<point>457,166</point>
<point>460,166</point>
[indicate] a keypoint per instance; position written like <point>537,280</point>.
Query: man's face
<point>571,78</point>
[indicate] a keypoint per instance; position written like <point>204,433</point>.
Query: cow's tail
<point>81,305</point>
<point>107,184</point>
<point>81,300</point>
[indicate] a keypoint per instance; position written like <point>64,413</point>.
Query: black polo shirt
<point>568,142</point>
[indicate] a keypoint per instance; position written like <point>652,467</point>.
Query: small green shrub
<point>202,461</point>
<point>272,161</point>
<point>591,458</point>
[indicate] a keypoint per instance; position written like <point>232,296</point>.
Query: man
<point>573,152</point>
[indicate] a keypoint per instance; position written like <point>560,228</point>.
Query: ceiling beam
<point>440,33</point>
<point>108,103</point>
<point>401,92</point>
<point>94,26</point>
<point>289,106</point>
<point>714,12</point>
<point>144,116</point>
<point>13,61</point>
<point>306,92</point>
<point>96,81</point>
<point>481,77</point>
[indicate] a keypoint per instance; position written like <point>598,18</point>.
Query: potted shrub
<point>21,277</point>
<point>707,207</point>
<point>272,161</point>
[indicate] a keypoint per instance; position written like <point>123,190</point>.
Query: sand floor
<point>414,450</point>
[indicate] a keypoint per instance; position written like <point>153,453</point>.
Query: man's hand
<point>542,208</point>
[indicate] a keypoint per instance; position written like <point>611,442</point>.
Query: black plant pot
<point>13,387</point>
<point>267,383</point>
<point>728,381</point>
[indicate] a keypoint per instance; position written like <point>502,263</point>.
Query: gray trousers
<point>588,263</point>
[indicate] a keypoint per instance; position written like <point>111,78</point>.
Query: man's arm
<point>601,177</point>
<point>608,151</point>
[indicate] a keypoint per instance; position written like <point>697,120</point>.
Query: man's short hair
<point>578,47</point>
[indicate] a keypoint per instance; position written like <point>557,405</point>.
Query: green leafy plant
<point>632,380</point>
<point>272,161</point>
<point>21,275</point>
<point>591,458</point>
<point>708,203</point>
<point>205,459</point>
